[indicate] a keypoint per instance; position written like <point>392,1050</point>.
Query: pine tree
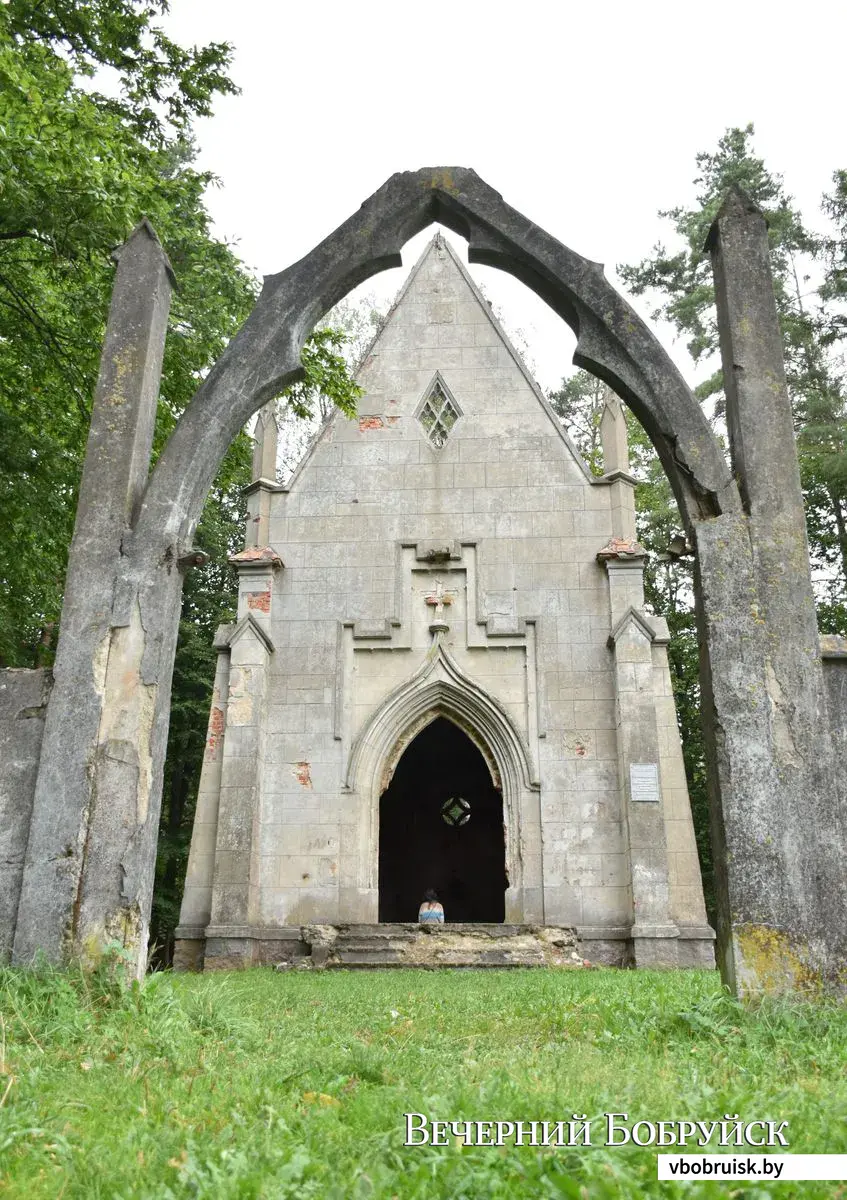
<point>807,278</point>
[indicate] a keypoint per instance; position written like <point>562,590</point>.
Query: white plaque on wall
<point>644,782</point>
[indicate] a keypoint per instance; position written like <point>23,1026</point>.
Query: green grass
<point>261,1084</point>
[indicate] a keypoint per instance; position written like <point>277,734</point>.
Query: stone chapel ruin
<point>570,808</point>
<point>442,671</point>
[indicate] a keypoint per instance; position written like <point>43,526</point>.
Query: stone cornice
<point>621,550</point>
<point>257,558</point>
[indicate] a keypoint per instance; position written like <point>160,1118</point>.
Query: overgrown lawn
<point>260,1084</point>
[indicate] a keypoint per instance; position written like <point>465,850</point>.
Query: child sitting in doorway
<point>431,910</point>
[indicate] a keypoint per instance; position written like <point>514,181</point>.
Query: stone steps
<point>433,946</point>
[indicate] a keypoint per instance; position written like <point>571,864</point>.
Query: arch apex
<point>439,688</point>
<point>614,343</point>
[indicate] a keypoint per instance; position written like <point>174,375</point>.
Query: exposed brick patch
<point>260,600</point>
<point>304,775</point>
<point>216,730</point>
<point>620,547</point>
<point>392,420</point>
<point>580,745</point>
<point>370,423</point>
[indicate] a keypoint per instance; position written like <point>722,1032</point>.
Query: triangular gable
<point>383,325</point>
<point>247,625</point>
<point>640,621</point>
<point>519,362</point>
<point>438,241</point>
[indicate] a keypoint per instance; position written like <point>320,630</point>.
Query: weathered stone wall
<point>777,829</point>
<point>506,521</point>
<point>506,481</point>
<point>23,703</point>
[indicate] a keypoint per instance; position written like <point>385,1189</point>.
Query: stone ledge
<point>190,932</point>
<point>263,485</point>
<point>273,933</point>
<point>625,932</point>
<point>463,944</point>
<point>833,646</point>
<point>691,932</point>
<point>352,945</point>
<point>604,932</point>
<point>654,932</point>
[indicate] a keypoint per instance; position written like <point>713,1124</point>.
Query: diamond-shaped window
<point>438,412</point>
<point>456,811</point>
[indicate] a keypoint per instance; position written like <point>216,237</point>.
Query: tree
<point>347,330</point>
<point>682,280</point>
<point>77,171</point>
<point>77,174</point>
<point>163,86</point>
<point>578,404</point>
<point>831,443</point>
<point>834,288</point>
<point>810,283</point>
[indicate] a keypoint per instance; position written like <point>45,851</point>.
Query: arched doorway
<point>441,827</point>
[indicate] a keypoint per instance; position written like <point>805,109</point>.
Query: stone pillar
<point>615,443</point>
<point>687,905</point>
<point>654,933</point>
<point>23,704</point>
<point>85,886</point>
<point>777,822</point>
<point>265,445</point>
<point>229,935</point>
<point>196,909</point>
<point>834,655</point>
<point>263,484</point>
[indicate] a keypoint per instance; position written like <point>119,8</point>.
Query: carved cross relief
<point>438,601</point>
<point>423,572</point>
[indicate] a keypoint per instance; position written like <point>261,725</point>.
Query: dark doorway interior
<point>441,827</point>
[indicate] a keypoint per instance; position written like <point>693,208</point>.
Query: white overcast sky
<point>585,116</point>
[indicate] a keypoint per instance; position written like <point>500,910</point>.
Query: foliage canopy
<point>77,171</point>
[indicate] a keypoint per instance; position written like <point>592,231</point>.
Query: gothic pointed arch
<point>441,827</point>
<point>439,688</point>
<point>613,343</point>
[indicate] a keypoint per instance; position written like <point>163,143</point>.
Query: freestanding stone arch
<point>775,788</point>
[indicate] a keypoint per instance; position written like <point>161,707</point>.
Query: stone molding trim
<point>654,629</point>
<point>621,548</point>
<point>257,558</point>
<point>450,693</point>
<point>440,688</point>
<point>482,630</point>
<point>248,624</point>
<point>833,646</point>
